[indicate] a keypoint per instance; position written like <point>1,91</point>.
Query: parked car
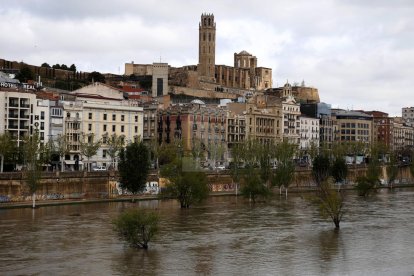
<point>99,168</point>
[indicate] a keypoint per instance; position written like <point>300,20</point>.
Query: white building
<point>100,110</point>
<point>290,116</point>
<point>309,133</point>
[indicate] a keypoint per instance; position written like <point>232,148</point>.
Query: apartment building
<point>352,126</point>
<point>17,114</point>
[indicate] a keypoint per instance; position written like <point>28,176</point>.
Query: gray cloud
<point>358,53</point>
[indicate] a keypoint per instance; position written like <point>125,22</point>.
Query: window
<point>103,153</point>
<point>104,127</point>
<point>122,118</point>
<point>89,139</point>
<point>113,117</point>
<point>136,129</point>
<point>136,118</point>
<point>90,127</point>
<point>42,136</point>
<point>104,117</point>
<point>90,116</point>
<point>42,125</point>
<point>122,128</point>
<point>42,115</point>
<point>113,128</point>
<point>57,112</point>
<point>68,115</point>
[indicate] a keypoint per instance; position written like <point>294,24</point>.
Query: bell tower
<point>207,47</point>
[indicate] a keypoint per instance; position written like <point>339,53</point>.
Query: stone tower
<point>207,47</point>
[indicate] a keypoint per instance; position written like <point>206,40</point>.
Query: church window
<point>209,36</point>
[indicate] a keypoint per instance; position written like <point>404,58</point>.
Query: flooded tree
<point>367,184</point>
<point>188,187</point>
<point>330,202</point>
<point>137,227</point>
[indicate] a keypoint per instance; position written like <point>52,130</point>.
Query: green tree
<point>285,170</point>
<point>89,147</point>
<point>72,68</point>
<point>237,159</point>
<point>321,169</point>
<point>392,168</point>
<point>7,147</point>
<point>44,64</point>
<point>330,202</point>
<point>137,227</point>
<point>134,167</point>
<point>96,77</point>
<point>25,74</point>
<point>368,183</point>
<point>339,170</point>
<point>31,151</point>
<point>188,187</point>
<point>253,186</point>
<point>265,157</point>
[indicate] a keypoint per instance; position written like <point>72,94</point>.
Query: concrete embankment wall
<point>84,185</point>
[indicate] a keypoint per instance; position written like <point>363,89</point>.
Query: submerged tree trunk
<point>34,200</point>
<point>336,222</point>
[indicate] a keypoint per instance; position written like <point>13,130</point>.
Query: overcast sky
<point>358,53</point>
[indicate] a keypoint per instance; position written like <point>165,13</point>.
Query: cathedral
<point>244,76</point>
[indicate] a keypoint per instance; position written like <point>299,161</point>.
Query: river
<point>224,236</point>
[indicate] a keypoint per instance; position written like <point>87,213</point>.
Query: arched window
<point>204,37</point>
<point>209,36</point>
<point>209,21</point>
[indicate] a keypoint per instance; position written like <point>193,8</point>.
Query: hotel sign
<point>17,85</point>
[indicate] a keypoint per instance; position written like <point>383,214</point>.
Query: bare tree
<point>89,147</point>
<point>62,148</point>
<point>115,144</point>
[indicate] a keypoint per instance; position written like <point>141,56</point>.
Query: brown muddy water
<point>223,236</point>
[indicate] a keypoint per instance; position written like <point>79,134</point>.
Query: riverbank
<point>56,202</point>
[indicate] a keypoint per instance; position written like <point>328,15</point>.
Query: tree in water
<point>134,163</point>
<point>137,227</point>
<point>330,202</point>
<point>253,186</point>
<point>188,187</point>
<point>368,183</point>
<point>89,147</point>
